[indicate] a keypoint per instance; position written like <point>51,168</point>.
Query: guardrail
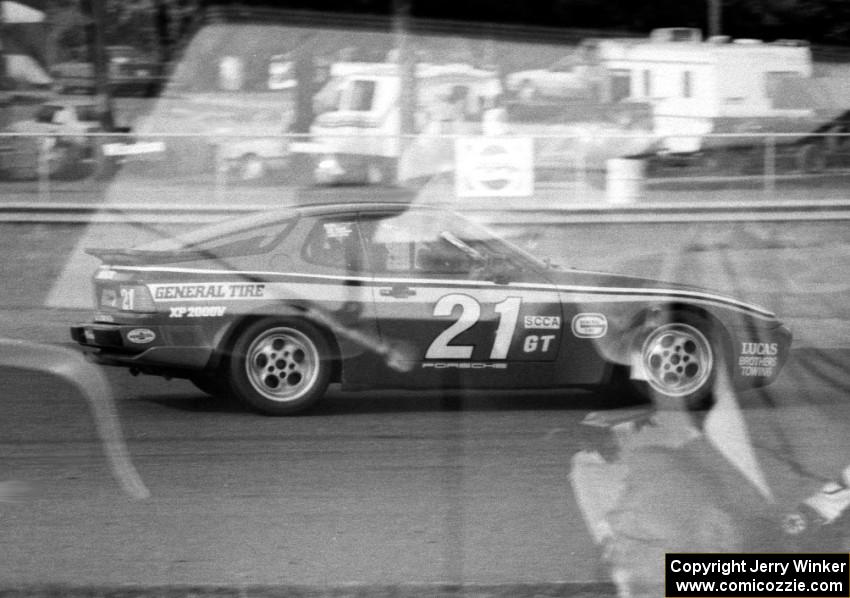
<point>203,178</point>
<point>494,214</point>
<point>584,149</point>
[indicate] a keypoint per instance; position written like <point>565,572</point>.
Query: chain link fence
<point>43,166</point>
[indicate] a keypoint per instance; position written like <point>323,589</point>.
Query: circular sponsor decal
<point>141,336</point>
<point>590,325</point>
<point>495,168</point>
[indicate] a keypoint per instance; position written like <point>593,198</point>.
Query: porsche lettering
<point>463,365</point>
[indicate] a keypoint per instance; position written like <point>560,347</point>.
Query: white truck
<point>357,138</point>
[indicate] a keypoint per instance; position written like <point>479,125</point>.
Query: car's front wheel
<point>280,366</point>
<point>676,362</point>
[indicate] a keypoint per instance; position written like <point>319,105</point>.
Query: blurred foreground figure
<point>86,379</point>
<point>663,480</point>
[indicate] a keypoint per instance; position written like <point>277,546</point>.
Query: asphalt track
<point>374,494</point>
<point>394,494</point>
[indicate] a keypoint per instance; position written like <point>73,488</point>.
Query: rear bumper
<point>145,348</point>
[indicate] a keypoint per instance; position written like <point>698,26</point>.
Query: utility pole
<point>406,60</point>
<point>96,39</point>
<point>2,44</point>
<point>5,94</point>
<point>715,9</point>
<point>407,65</point>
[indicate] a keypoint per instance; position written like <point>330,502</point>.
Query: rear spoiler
<point>128,257</point>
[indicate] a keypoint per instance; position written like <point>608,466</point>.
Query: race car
<point>273,307</point>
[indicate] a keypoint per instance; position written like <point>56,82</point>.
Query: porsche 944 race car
<point>273,307</point>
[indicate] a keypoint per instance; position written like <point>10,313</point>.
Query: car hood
<point>582,281</point>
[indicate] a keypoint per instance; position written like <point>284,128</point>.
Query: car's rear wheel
<point>280,366</point>
<point>677,362</point>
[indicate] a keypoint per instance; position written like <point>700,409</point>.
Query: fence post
<point>220,173</point>
<point>42,168</point>
<point>770,166</point>
<point>581,169</point>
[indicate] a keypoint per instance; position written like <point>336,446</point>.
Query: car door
<point>453,303</point>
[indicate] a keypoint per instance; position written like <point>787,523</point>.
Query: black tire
<point>677,357</point>
<point>280,366</point>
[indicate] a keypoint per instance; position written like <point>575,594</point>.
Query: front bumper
<point>760,355</point>
<point>145,347</point>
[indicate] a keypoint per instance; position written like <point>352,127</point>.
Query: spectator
<point>697,482</point>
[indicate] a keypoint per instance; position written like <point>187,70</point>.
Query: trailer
<point>357,136</point>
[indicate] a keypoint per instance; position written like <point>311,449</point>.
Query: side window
<point>334,243</point>
<point>412,247</point>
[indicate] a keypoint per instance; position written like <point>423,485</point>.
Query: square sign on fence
<point>494,167</point>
